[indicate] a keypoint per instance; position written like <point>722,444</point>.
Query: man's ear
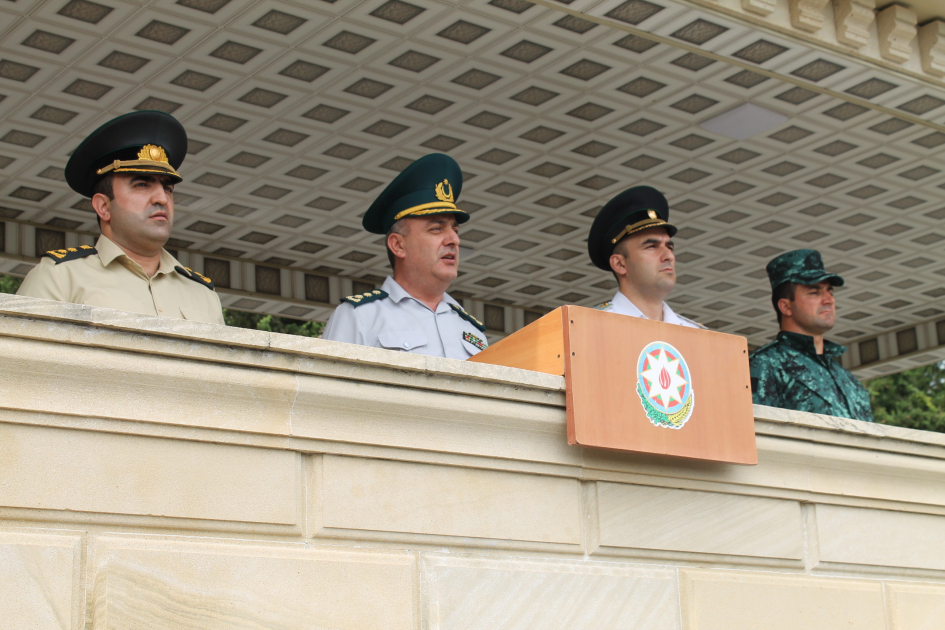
<point>618,263</point>
<point>786,307</point>
<point>100,204</point>
<point>395,243</point>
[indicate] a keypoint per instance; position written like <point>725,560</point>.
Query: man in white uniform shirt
<point>632,238</point>
<point>412,312</point>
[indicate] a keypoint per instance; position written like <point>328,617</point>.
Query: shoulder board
<point>364,298</point>
<point>190,274</point>
<point>694,323</point>
<point>762,349</point>
<point>469,318</point>
<point>603,306</point>
<point>71,253</point>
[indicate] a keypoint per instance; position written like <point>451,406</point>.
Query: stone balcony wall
<point>881,33</point>
<point>160,474</point>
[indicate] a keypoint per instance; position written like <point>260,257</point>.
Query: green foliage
<point>9,284</point>
<point>914,399</point>
<point>271,323</point>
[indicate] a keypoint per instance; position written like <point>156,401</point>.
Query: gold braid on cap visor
<point>653,221</point>
<point>151,159</point>
<point>428,208</point>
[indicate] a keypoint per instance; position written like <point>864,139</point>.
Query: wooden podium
<point>639,385</point>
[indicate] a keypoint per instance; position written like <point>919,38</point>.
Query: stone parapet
<point>892,35</point>
<point>157,473</point>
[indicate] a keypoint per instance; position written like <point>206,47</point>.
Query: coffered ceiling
<point>299,113</point>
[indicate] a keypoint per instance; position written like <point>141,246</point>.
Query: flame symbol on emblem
<point>664,379</point>
<point>444,192</point>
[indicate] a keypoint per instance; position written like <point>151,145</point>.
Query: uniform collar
<point>398,293</point>
<point>622,303</point>
<point>805,344</point>
<point>108,251</point>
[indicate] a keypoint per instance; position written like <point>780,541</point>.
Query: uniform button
<point>406,344</point>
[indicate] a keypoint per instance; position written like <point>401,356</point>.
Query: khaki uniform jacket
<point>113,280</point>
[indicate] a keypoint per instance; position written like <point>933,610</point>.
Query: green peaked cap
<point>801,266</point>
<point>431,185</point>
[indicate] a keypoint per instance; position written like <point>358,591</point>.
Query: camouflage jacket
<point>788,373</point>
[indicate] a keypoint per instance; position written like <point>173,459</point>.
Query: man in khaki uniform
<point>128,167</point>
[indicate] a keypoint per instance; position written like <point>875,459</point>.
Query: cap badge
<point>444,192</point>
<point>152,152</point>
<point>651,213</point>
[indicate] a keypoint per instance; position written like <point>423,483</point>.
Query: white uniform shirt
<point>401,322</point>
<point>622,305</point>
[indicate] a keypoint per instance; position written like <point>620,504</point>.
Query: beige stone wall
<point>160,474</point>
<point>906,37</point>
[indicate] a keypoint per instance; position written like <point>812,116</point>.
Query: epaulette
<point>190,274</point>
<point>364,298</point>
<point>469,318</point>
<point>762,349</point>
<point>604,306</point>
<point>696,324</point>
<point>71,253</point>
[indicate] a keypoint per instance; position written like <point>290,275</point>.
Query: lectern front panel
<point>640,385</point>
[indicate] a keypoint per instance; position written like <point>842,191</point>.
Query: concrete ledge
<point>166,474</point>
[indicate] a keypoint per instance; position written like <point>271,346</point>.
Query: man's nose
<point>159,196</point>
<point>452,237</point>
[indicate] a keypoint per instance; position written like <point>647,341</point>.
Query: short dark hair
<point>104,186</point>
<point>784,291</point>
<point>399,227</point>
<point>620,245</point>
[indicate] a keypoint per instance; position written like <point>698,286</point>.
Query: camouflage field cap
<point>801,266</point>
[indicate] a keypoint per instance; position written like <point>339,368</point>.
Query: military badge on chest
<point>474,341</point>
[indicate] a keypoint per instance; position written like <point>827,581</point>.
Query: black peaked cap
<point>636,209</point>
<point>123,139</point>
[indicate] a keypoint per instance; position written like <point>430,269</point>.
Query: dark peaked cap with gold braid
<point>632,210</point>
<point>139,142</point>
<point>431,185</point>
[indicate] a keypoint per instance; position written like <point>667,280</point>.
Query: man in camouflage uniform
<point>800,369</point>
